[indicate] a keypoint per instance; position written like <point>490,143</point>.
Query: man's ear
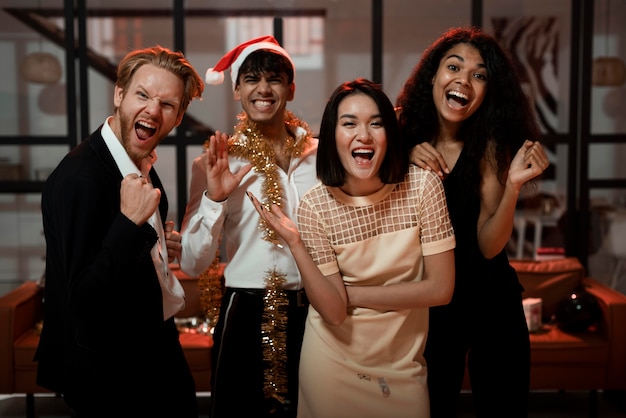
<point>292,92</point>
<point>180,118</point>
<point>118,95</point>
<point>236,93</point>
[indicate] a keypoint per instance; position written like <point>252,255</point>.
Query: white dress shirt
<point>249,255</point>
<point>173,292</point>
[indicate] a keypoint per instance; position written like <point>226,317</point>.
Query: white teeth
<point>363,153</point>
<point>263,103</point>
<point>458,94</point>
<point>146,125</point>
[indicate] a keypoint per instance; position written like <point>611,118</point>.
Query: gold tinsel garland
<point>210,284</point>
<point>247,142</point>
<point>274,336</point>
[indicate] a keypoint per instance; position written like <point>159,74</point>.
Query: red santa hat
<point>237,56</point>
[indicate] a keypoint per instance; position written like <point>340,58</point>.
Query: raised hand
<point>138,199</point>
<point>530,161</point>
<point>220,180</point>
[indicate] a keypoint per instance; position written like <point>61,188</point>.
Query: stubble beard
<point>126,129</point>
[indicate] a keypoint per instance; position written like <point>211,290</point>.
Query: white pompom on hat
<point>236,56</point>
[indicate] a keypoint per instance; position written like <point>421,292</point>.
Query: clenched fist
<point>138,199</point>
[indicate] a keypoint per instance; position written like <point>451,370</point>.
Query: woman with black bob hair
<point>330,170</point>
<point>375,250</point>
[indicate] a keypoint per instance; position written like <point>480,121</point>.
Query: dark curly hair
<point>505,116</point>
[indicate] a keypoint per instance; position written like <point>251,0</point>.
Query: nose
<point>153,106</point>
<point>363,134</point>
<point>263,86</point>
<point>464,78</point>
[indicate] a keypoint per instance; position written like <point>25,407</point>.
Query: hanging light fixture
<point>608,70</point>
<point>41,67</point>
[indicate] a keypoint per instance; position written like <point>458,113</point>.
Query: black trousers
<point>239,368</point>
<point>494,339</point>
<point>149,379</point>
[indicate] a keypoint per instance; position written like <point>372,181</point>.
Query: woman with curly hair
<point>464,115</point>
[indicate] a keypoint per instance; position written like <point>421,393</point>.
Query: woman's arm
<point>498,202</point>
<point>327,294</point>
<point>434,289</point>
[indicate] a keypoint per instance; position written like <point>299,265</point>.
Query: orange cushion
<point>197,348</point>
<point>25,347</point>
<point>551,345</point>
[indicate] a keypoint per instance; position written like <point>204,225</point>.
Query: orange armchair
<point>21,310</point>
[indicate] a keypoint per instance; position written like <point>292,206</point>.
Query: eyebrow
<point>174,101</point>
<point>460,58</point>
<point>351,116</point>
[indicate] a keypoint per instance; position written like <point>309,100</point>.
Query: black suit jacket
<point>103,309</point>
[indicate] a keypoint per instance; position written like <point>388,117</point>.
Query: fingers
<point>268,216</point>
<point>131,177</point>
<point>138,199</point>
<point>427,157</point>
<point>219,145</point>
<point>173,241</point>
<point>275,218</point>
<point>257,205</point>
<point>222,145</point>
<point>276,211</point>
<point>529,162</point>
<point>217,149</point>
<point>239,175</point>
<point>535,156</point>
<point>134,180</point>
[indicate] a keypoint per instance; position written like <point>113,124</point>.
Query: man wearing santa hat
<point>258,335</point>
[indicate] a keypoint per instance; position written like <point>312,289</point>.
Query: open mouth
<point>362,154</point>
<point>144,130</point>
<point>457,97</point>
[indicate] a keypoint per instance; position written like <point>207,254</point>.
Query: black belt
<point>298,297</point>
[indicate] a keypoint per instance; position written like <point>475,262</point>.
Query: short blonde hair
<point>172,61</point>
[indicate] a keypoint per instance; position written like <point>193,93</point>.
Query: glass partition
<point>331,41</point>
